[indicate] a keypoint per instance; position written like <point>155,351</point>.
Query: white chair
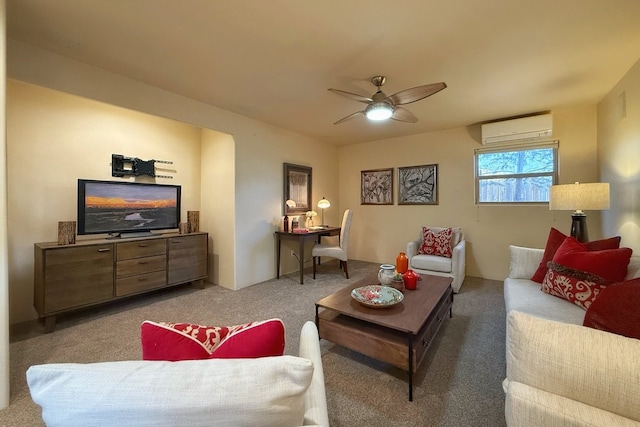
<point>333,251</point>
<point>453,267</point>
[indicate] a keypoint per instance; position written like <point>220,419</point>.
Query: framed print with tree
<point>418,185</point>
<point>376,187</point>
<point>297,187</point>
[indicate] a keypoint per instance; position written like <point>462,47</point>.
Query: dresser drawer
<point>140,283</point>
<point>138,249</point>
<point>135,266</point>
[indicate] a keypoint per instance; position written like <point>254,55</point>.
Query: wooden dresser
<point>91,272</point>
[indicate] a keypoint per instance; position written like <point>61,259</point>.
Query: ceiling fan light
<point>379,111</point>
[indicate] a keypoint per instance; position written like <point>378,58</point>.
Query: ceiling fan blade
<point>350,116</point>
<point>416,93</point>
<point>353,96</point>
<point>403,115</point>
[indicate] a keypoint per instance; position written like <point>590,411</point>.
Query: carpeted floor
<point>459,383</point>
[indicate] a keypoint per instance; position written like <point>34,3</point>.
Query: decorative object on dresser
<point>578,197</point>
<point>193,221</point>
<point>66,232</point>
<point>96,271</point>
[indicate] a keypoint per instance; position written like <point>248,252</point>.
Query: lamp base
<point>579,227</point>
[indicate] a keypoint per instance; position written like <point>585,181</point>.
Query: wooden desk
<point>302,237</point>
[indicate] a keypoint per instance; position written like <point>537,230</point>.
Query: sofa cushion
<point>610,264</point>
<point>617,309</point>
<point>594,367</point>
<point>556,238</point>
<point>579,287</point>
<point>524,295</point>
<point>216,392</point>
<point>436,242</point>
<point>187,341</point>
<point>523,261</point>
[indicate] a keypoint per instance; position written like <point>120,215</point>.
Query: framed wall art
<point>376,187</point>
<point>418,185</point>
<point>297,187</point>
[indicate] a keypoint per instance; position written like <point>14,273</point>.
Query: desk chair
<point>335,251</point>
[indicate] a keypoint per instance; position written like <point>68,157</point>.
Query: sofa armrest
<point>458,264</point>
<point>523,262</point>
<point>589,366</point>
<point>315,398</point>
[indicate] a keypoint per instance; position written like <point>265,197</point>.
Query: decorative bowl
<point>377,296</point>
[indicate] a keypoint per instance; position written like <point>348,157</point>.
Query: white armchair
<point>453,267</point>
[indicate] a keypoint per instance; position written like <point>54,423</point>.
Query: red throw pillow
<point>187,341</point>
<point>554,241</point>
<point>617,309</point>
<point>578,287</point>
<point>610,264</point>
<point>436,243</point>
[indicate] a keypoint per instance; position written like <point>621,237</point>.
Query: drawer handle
<point>143,262</point>
<point>439,318</point>
<point>175,241</point>
<point>104,250</point>
<point>142,279</point>
<point>425,343</point>
<point>143,245</point>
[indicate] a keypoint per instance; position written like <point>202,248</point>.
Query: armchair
<point>453,267</point>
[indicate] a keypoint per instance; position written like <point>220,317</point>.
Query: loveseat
<point>269,391</point>
<point>560,373</point>
<point>437,265</point>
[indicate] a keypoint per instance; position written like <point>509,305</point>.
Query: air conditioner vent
<point>531,128</point>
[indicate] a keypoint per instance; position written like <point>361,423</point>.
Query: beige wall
<point>380,232</point>
<point>619,157</point>
<point>55,138</point>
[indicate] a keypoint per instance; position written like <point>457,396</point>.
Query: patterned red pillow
<point>616,309</point>
<point>556,238</point>
<point>436,243</point>
<point>578,287</point>
<point>187,341</point>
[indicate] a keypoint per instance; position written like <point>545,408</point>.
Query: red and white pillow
<point>436,243</point>
<point>578,287</point>
<point>187,341</point>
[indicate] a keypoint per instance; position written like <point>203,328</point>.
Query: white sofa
<point>453,267</point>
<point>560,373</point>
<point>269,391</point>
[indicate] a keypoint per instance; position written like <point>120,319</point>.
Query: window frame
<point>528,146</point>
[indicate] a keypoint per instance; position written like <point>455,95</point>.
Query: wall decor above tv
<point>126,209</point>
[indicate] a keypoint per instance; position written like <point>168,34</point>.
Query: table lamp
<point>578,197</point>
<point>288,204</point>
<point>323,204</point>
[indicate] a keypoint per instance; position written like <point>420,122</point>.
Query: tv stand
<point>92,272</point>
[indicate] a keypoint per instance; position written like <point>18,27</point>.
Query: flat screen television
<point>126,209</point>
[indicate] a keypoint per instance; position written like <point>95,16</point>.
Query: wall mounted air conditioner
<point>533,128</point>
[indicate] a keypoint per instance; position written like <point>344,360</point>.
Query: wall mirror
<point>297,187</point>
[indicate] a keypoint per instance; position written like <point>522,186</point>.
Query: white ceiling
<point>274,60</point>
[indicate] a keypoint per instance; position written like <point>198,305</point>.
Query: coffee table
<point>399,335</point>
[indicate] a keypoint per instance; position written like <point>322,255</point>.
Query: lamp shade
<point>588,196</point>
<point>323,203</point>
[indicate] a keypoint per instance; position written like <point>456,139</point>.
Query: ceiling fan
<point>382,107</point>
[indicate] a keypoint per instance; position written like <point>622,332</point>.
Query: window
<point>516,174</point>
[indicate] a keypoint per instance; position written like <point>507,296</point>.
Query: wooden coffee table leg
<point>410,368</point>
